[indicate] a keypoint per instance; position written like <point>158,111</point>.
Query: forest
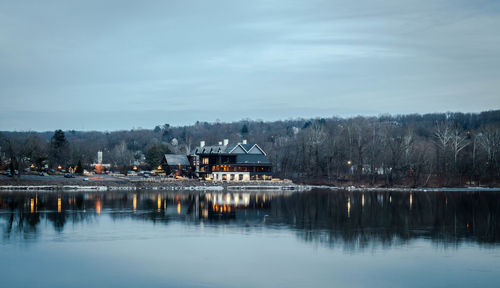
<point>438,149</point>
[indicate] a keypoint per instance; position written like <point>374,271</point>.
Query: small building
<point>178,164</point>
<point>232,162</point>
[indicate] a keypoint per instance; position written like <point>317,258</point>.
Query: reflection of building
<point>232,162</point>
<point>239,206</point>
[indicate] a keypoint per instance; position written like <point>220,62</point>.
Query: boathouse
<point>231,162</point>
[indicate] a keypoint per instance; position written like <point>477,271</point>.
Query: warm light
<point>159,203</point>
<point>32,205</point>
<point>159,167</point>
<point>32,166</point>
<point>179,208</point>
<point>98,206</point>
<point>59,167</point>
<point>390,199</point>
<point>349,162</point>
<point>98,169</point>
<point>59,204</point>
<point>363,200</point>
<point>135,168</point>
<point>134,202</point>
<point>348,207</point>
<point>411,200</point>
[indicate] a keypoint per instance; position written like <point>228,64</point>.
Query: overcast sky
<point>108,65</point>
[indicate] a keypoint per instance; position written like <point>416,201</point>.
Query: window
<point>231,177</point>
<point>240,177</point>
<point>204,160</point>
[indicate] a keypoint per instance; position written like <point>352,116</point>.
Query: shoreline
<point>225,186</point>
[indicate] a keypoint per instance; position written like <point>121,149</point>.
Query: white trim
<point>240,147</point>
<point>258,147</point>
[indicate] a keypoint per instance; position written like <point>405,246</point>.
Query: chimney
<point>220,143</point>
<point>202,144</point>
<point>244,141</point>
<point>226,141</point>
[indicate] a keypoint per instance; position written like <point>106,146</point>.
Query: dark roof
<point>174,159</point>
<point>252,159</point>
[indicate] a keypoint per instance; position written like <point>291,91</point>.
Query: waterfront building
<point>178,164</point>
<point>231,162</point>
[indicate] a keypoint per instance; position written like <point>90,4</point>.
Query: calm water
<point>263,239</point>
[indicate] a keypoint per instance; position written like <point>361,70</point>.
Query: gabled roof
<point>229,149</point>
<point>174,159</point>
<point>256,150</point>
<point>238,149</point>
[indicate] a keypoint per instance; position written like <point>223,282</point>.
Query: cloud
<point>280,56</point>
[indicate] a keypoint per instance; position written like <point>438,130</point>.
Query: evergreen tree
<point>244,129</point>
<point>59,148</point>
<point>79,168</point>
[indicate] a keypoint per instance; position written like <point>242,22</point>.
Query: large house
<point>231,162</point>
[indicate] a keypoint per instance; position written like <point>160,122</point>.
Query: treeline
<point>415,150</point>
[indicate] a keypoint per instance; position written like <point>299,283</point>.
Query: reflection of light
<point>159,203</point>
<point>246,199</point>
<point>363,200</point>
<point>348,207</point>
<point>32,205</point>
<point>179,208</point>
<point>98,206</point>
<point>390,199</point>
<point>204,213</point>
<point>411,200</point>
<point>134,202</point>
<point>58,204</point>
<point>228,198</point>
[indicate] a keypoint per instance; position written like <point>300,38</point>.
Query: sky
<point>113,65</point>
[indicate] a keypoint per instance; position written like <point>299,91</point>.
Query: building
<point>178,164</point>
<point>231,162</point>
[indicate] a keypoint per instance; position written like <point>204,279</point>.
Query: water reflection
<point>352,219</point>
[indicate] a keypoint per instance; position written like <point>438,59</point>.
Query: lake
<point>320,238</point>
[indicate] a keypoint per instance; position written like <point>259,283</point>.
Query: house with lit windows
<point>231,162</point>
